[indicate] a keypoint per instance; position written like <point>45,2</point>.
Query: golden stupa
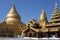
<point>12,16</point>
<point>12,25</point>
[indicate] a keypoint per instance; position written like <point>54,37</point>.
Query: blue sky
<point>28,9</point>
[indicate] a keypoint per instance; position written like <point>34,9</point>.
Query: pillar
<point>56,34</point>
<point>37,35</point>
<point>27,34</point>
<point>46,35</point>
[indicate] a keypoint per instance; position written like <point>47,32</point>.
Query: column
<point>27,34</point>
<point>37,35</point>
<point>56,34</point>
<point>46,35</point>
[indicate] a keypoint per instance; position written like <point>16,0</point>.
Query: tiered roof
<point>45,25</point>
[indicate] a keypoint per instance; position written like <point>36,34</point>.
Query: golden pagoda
<point>12,25</point>
<point>43,27</point>
<point>43,19</point>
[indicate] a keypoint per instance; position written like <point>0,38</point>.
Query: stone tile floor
<point>6,38</point>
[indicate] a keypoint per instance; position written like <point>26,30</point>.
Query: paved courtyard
<point>1,38</point>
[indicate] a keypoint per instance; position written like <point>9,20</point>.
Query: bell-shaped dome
<point>12,16</point>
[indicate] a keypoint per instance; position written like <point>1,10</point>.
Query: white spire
<point>56,3</point>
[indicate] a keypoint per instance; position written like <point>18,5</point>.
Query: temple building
<point>12,25</point>
<point>43,27</point>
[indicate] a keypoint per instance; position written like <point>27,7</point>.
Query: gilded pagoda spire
<point>56,11</point>
<point>43,16</point>
<point>12,15</point>
<point>55,14</point>
<point>13,9</point>
<point>43,19</point>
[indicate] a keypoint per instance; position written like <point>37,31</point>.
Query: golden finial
<point>43,16</point>
<point>13,8</point>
